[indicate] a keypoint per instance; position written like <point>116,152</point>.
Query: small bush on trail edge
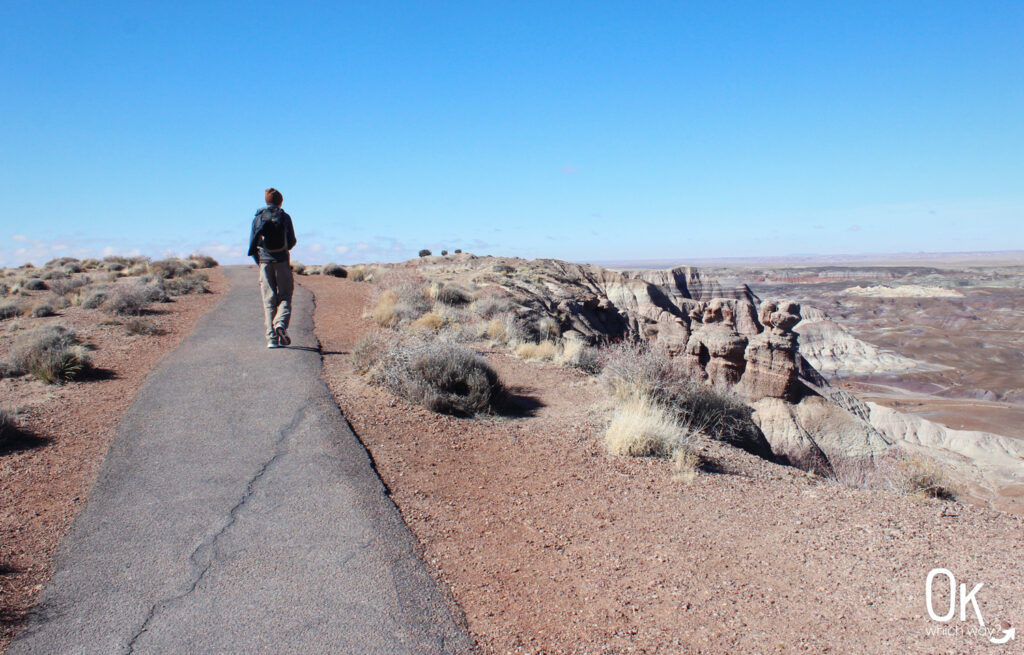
<point>52,354</point>
<point>126,300</point>
<point>369,349</point>
<point>186,284</point>
<point>577,354</point>
<point>203,261</point>
<point>425,253</point>
<point>333,270</point>
<point>92,298</point>
<point>441,376</point>
<point>141,326</point>
<point>298,269</point>
<point>544,351</point>
<point>451,294</point>
<point>66,286</point>
<point>639,369</point>
<point>429,321</point>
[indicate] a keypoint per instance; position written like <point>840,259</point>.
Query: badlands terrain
<point>812,532</point>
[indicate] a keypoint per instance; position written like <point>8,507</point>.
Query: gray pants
<point>276,288</point>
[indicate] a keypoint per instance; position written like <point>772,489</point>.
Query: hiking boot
<point>282,336</point>
<point>273,343</point>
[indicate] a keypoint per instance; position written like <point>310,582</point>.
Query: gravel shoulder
<point>45,482</point>
<point>550,545</point>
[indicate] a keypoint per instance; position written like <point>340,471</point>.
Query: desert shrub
<point>458,251</point>
<point>577,354</point>
<point>58,262</point>
<point>333,270</point>
<point>548,328</point>
<point>186,284</point>
<point>10,429</point>
<point>451,294</point>
<point>439,375</point>
<point>42,310</point>
<point>298,269</point>
<point>425,253</point>
<point>67,285</point>
<point>313,270</point>
<point>33,284</point>
<point>92,297</point>
<point>57,301</point>
<point>54,274</point>
<point>202,261</point>
<point>718,414</point>
<point>91,264</point>
<point>170,268</point>
<point>51,353</point>
<point>640,369</point>
<point>444,253</point>
<point>544,351</point>
<point>153,290</point>
<point>921,477</point>
<point>429,321</point>
<point>490,306</point>
<point>11,308</point>
<point>4,289</point>
<point>641,427</point>
<point>114,265</point>
<point>369,349</point>
<point>403,302</point>
<point>73,267</point>
<point>138,325</point>
<point>384,313</point>
<point>136,269</point>
<point>127,300</point>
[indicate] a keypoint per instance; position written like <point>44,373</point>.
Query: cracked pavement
<point>237,513</point>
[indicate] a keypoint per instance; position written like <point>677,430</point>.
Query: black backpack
<point>273,233</point>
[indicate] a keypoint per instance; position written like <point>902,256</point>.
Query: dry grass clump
<point>686,463</point>
<point>641,427</point>
<point>920,477</point>
<point>497,331</point>
<point>403,301</point>
<point>333,270</point>
<point>437,374</point>
<point>138,325</point>
<point>650,375</point>
<point>52,354</point>
<point>369,348</point>
<point>362,273</point>
<point>544,351</point>
<point>203,261</point>
<point>429,321</point>
<point>54,274</point>
<point>576,354</point>
<point>298,268</point>
<point>548,328</point>
<point>33,284</point>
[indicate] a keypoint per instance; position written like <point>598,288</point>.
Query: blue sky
<point>586,131</point>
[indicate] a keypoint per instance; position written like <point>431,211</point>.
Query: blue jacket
<point>256,250</point>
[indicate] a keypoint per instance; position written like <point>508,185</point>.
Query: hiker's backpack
<point>273,234</point>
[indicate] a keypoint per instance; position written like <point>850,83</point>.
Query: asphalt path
<point>237,513</point>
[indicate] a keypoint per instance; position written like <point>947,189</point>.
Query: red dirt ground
<point>43,486</point>
<point>550,545</point>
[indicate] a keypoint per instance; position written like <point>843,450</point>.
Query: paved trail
<point>237,513</point>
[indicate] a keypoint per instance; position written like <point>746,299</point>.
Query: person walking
<point>271,238</point>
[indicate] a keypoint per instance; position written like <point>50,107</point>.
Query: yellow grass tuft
<point>497,331</point>
<point>384,313</point>
<point>429,321</point>
<point>544,351</point>
<point>642,428</point>
<point>686,463</point>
